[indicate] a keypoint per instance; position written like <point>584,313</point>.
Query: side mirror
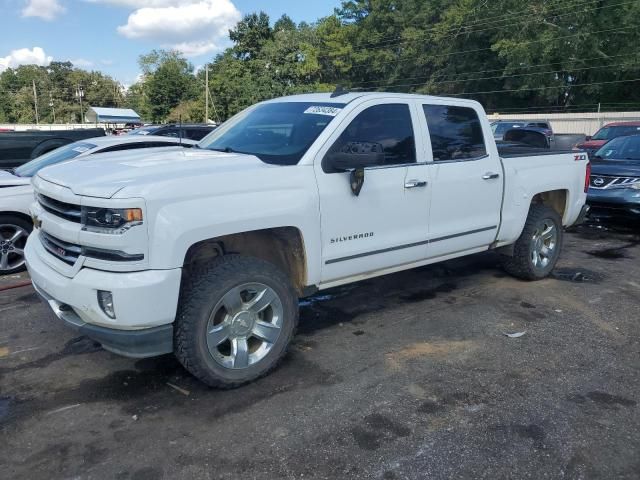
<point>587,138</point>
<point>354,156</point>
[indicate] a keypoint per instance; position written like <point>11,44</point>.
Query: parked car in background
<point>205,252</point>
<point>606,133</point>
<point>614,187</point>
<point>16,194</point>
<point>17,148</point>
<point>191,131</point>
<point>525,136</point>
<point>501,126</point>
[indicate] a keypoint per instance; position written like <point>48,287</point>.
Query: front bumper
<point>620,202</point>
<point>145,303</point>
<point>146,342</point>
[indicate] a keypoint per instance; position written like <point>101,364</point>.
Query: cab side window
<point>387,124</point>
<point>456,133</point>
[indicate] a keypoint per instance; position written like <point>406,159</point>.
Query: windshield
<point>58,155</point>
<point>621,148</point>
<point>501,127</point>
<point>278,133</point>
<point>607,133</point>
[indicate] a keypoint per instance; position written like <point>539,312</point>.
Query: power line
<point>545,88</point>
<point>502,76</point>
<point>476,50</point>
<point>526,67</point>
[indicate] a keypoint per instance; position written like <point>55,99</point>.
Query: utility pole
<point>80,94</point>
<point>53,107</point>
<point>206,94</point>
<point>35,101</point>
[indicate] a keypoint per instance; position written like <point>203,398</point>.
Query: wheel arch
<point>556,199</point>
<point>21,215</point>
<point>282,246</point>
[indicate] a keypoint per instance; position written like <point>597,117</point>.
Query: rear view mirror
<point>353,156</point>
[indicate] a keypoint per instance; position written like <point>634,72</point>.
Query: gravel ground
<point>403,377</point>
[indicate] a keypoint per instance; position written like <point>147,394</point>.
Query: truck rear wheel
<point>236,319</point>
<point>537,249</point>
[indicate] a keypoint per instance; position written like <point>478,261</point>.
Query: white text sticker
<point>320,110</point>
<point>80,149</point>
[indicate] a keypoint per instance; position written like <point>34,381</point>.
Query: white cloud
<point>24,56</point>
<point>81,62</point>
<point>45,9</point>
<point>193,27</point>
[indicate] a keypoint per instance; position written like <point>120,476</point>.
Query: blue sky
<point>108,35</point>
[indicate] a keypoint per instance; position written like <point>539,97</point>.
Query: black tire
<point>17,222</point>
<point>202,291</point>
<point>521,264</point>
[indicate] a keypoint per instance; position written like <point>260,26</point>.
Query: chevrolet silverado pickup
<point>205,252</point>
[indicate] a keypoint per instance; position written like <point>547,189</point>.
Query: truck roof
<point>351,96</point>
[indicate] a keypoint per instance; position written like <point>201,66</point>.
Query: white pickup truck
<point>205,252</point>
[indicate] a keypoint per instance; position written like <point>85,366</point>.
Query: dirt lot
<point>408,376</point>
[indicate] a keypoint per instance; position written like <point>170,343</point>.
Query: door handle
<point>415,183</point>
<point>490,176</point>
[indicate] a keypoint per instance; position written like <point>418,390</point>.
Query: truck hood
<point>104,175</point>
<point>618,168</point>
<point>8,179</point>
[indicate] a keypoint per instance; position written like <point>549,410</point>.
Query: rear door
<point>385,225</point>
<point>465,178</point>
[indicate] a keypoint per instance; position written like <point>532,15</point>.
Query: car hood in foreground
<point>8,179</point>
<point>133,172</point>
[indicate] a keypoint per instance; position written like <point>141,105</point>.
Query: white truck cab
<point>205,252</point>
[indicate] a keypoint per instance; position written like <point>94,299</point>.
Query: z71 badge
<point>580,156</point>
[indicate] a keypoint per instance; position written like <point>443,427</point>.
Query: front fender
<point>179,225</point>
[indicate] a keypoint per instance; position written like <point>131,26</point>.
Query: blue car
<point>614,185</point>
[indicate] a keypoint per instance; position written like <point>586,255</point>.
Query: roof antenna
<point>340,90</point>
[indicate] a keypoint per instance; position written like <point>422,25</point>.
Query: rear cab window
<point>455,133</point>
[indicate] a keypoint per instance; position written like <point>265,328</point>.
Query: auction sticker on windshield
<point>80,149</point>
<point>323,110</point>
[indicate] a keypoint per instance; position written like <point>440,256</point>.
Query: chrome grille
<point>602,182</point>
<point>65,251</point>
<point>68,211</point>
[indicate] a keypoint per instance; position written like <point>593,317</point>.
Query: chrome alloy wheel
<point>12,241</point>
<point>544,243</point>
<point>244,325</point>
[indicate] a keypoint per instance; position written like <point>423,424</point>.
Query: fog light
<point>105,300</point>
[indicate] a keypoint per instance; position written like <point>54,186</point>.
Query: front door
<point>385,225</point>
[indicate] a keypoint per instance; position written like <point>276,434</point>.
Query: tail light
<point>587,177</point>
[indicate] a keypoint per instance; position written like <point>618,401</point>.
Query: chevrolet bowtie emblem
<point>37,223</point>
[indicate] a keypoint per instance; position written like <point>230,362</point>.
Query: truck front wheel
<point>236,318</point>
<point>537,249</point>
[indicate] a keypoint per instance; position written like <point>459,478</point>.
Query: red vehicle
<point>610,131</point>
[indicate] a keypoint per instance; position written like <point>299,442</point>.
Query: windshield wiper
<point>225,149</point>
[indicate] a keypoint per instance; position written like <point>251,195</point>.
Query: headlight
<point>635,186</point>
<point>110,220</point>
